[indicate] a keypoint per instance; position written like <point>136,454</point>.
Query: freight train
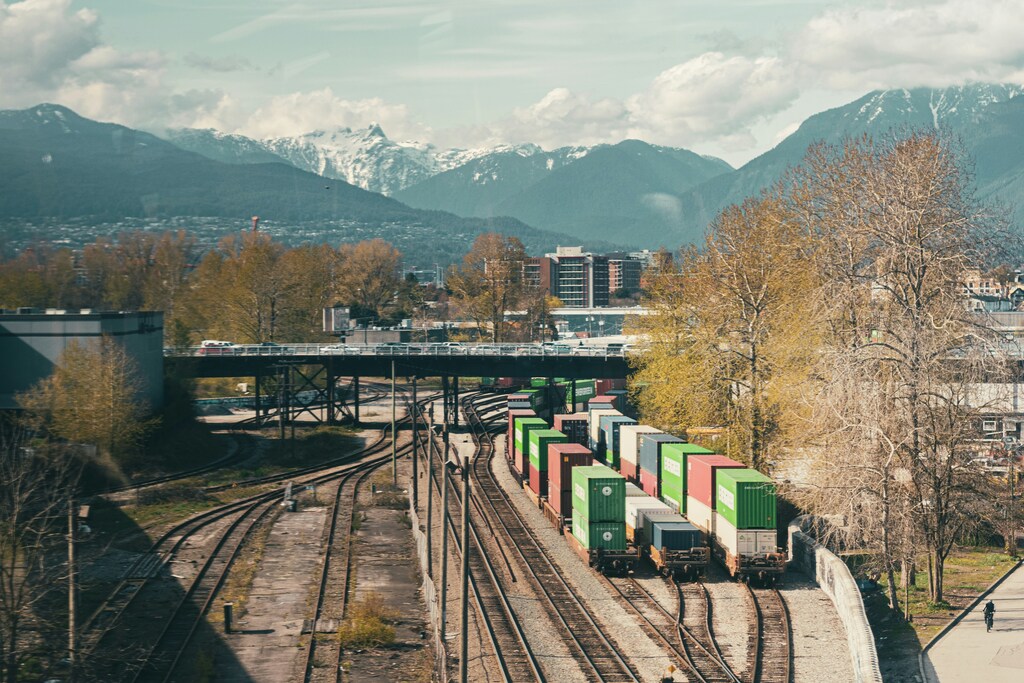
<point>622,492</point>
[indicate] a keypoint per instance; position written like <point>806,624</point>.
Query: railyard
<point>536,611</point>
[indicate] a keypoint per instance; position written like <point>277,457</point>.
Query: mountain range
<point>55,163</point>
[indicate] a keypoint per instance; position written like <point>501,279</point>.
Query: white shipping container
<point>635,504</point>
<point>701,515</point>
<point>629,440</point>
<point>595,423</point>
<point>745,542</point>
<point>632,490</point>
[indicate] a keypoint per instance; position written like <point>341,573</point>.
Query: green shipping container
<point>673,472</point>
<point>599,494</point>
<point>539,440</point>
<point>746,498</point>
<point>584,391</point>
<point>599,535</point>
<point>524,425</point>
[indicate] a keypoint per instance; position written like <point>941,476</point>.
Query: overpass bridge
<point>314,370</point>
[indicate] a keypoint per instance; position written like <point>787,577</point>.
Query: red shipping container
<point>538,481</point>
<point>650,484</point>
<point>573,426</point>
<point>562,457</point>
<point>627,469</point>
<point>602,399</point>
<point>510,441</point>
<point>700,476</point>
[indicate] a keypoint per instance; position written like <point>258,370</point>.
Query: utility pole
<point>464,622</point>
<point>72,592</point>
<point>444,535</point>
<point>394,433</point>
<point>415,446</point>
<point>430,492</point>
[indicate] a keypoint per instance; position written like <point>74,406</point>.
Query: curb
<point>958,618</point>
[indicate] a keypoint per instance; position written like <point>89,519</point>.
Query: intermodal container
<point>610,425</point>
<point>598,493</point>
<point>629,448</point>
<point>520,405</point>
<point>635,504</point>
<point>525,425</point>
<point>650,484</point>
<point>701,515</point>
<point>633,490</point>
<point>646,518</point>
<point>519,396</point>
<point>510,442</point>
<point>601,403</point>
<point>603,386</point>
<point>746,498</point>
<point>598,535</point>
<point>621,399</point>
<point>700,476</point>
<point>745,542</point>
<point>562,458</point>
<point>673,472</point>
<point>675,535</point>
<point>539,441</point>
<point>584,392</point>
<point>596,442</point>
<point>650,451</point>
<point>574,426</point>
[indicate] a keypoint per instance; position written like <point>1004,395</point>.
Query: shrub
<point>368,624</point>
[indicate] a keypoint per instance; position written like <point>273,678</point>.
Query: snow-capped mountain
<point>364,157</point>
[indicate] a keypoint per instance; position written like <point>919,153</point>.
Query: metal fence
<point>429,593</point>
<point>400,350</point>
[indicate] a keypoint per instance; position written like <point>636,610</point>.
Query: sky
<point>729,78</point>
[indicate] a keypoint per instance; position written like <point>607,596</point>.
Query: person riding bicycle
<point>990,611</point>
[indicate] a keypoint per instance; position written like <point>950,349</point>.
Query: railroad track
<point>113,628</point>
<point>773,648</point>
<point>599,658</point>
<point>335,573</point>
<point>505,635</point>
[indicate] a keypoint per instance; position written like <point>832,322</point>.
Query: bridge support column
<point>282,401</point>
<point>455,400</point>
<point>445,399</point>
<point>572,387</point>
<point>257,381</point>
<point>331,380</point>
<point>355,399</point>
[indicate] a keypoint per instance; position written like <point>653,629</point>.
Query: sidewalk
<point>967,653</point>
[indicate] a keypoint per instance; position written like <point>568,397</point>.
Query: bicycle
<point>989,618</point>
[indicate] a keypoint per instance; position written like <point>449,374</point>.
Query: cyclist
<point>990,612</point>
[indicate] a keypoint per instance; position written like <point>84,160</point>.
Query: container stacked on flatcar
<point>610,425</point>
<point>629,449</point>
<point>521,445</point>
<point>598,520</point>
<point>673,472</point>
<point>597,442</point>
<point>651,446</point>
<point>746,539</point>
<point>540,439</point>
<point>574,426</point>
<point>510,439</point>
<point>562,458</point>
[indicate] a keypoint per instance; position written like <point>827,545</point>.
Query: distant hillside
<point>55,164</point>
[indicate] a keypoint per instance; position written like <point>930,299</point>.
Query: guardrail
<point>438,350</point>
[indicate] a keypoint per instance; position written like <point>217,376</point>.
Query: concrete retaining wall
<point>834,578</point>
<point>429,593</point>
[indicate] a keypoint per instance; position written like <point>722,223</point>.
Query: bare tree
<point>36,483</point>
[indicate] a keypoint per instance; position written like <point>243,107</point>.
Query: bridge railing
<point>475,350</point>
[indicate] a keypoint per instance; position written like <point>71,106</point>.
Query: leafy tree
<point>490,282</point>
<point>369,276</point>
<point>92,397</point>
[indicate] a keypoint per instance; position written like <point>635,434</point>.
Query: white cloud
<point>300,113</point>
<point>914,44</point>
<point>50,52</point>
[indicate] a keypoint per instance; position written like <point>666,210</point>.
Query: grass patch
<point>243,572</point>
<point>388,495</point>
<point>368,624</point>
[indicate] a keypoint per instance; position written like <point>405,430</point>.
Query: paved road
<point>968,654</point>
